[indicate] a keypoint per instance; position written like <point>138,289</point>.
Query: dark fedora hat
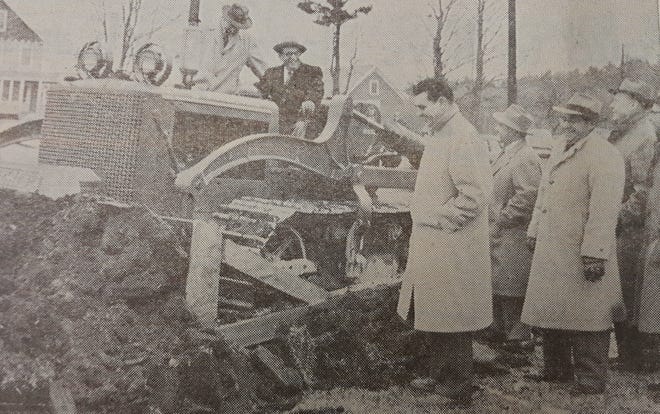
<point>289,43</point>
<point>237,15</point>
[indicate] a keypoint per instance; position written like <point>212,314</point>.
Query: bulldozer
<point>276,221</point>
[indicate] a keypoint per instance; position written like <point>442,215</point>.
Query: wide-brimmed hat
<point>639,90</point>
<point>515,117</point>
<point>582,104</point>
<point>237,15</point>
<point>289,43</point>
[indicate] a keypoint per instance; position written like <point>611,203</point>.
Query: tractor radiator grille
<point>95,129</point>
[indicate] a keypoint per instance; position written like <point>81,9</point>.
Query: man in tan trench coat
<point>574,291</point>
<point>516,177</point>
<point>649,309</point>
<point>634,137</point>
<point>446,289</point>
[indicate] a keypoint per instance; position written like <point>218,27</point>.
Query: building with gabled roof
<point>12,27</point>
<point>372,91</point>
<point>376,97</point>
<point>22,81</point>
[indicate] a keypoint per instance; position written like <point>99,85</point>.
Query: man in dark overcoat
<point>297,89</point>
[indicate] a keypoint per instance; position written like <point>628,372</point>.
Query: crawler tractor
<point>276,221</point>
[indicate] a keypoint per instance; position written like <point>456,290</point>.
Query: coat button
<point>545,210</point>
<point>551,182</point>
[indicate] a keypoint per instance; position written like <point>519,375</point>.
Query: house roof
<point>17,29</point>
<point>362,73</point>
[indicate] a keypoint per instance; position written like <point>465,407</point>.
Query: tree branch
<point>351,66</point>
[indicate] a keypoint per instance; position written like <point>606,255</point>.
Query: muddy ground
<point>92,314</point>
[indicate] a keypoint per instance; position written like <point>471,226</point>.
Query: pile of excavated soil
<point>90,295</point>
<point>92,299</point>
<point>361,342</point>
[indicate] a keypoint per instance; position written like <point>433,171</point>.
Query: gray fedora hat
<point>639,90</point>
<point>237,15</point>
<point>583,104</point>
<point>515,117</point>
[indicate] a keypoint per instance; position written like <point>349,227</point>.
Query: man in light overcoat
<point>446,291</point>
<point>634,137</point>
<point>574,291</point>
<point>228,50</point>
<point>516,177</point>
<point>648,321</point>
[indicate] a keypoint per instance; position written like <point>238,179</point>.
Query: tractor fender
<point>20,130</point>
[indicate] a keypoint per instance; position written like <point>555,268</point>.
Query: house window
<point>26,56</point>
<point>5,90</point>
<point>16,90</point>
<point>374,87</point>
<point>3,21</point>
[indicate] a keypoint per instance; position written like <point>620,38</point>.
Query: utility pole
<point>193,13</point>
<point>512,86</point>
<point>658,47</point>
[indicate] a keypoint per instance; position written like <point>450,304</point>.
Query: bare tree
<point>351,65</point>
<point>130,14</point>
<point>486,35</point>
<point>333,14</point>
<point>441,37</point>
<point>122,22</point>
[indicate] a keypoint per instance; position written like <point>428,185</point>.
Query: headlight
<point>94,61</point>
<point>151,65</point>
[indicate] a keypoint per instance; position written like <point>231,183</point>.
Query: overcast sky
<point>396,36</point>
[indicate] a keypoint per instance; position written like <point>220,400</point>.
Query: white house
<point>375,95</point>
<point>22,81</point>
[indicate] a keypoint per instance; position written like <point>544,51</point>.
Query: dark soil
<point>92,297</point>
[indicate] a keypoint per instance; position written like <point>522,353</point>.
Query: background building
<point>22,81</point>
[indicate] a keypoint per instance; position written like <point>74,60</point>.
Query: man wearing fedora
<point>516,177</point>
<point>229,49</point>
<point>634,137</point>
<point>296,88</point>
<point>574,291</point>
<point>648,321</point>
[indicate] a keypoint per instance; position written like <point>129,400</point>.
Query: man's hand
<point>307,108</point>
<point>531,243</point>
<point>594,268</point>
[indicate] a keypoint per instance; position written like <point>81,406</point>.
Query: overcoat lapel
<point>506,156</point>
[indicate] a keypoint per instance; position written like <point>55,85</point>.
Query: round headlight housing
<point>151,65</point>
<point>94,61</point>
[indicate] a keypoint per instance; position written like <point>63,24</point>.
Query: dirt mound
<point>92,298</point>
<point>361,342</point>
<point>91,294</point>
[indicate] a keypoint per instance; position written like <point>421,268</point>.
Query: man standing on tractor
<point>228,51</point>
